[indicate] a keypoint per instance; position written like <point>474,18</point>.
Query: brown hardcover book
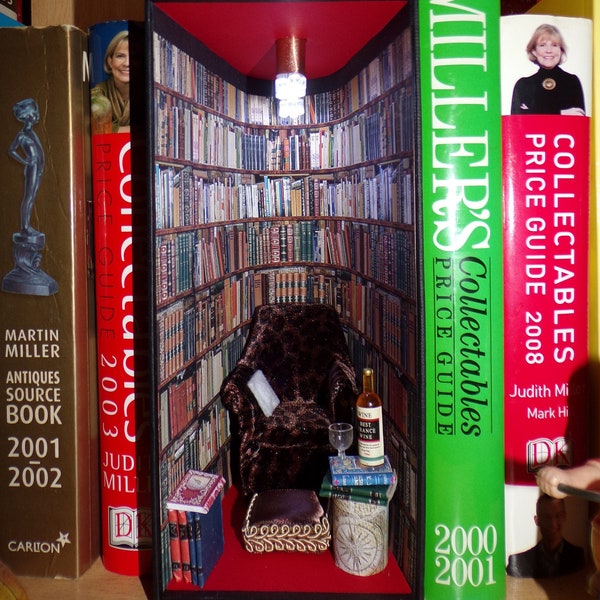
<point>48,447</point>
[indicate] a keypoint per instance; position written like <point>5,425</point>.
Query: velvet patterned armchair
<point>302,352</point>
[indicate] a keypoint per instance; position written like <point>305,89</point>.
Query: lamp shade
<point>290,54</point>
<point>290,81</point>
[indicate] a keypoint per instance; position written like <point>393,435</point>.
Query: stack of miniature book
<point>348,478</point>
<point>195,526</point>
<point>359,512</point>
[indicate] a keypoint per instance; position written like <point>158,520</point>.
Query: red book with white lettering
<point>121,296</point>
<point>546,80</point>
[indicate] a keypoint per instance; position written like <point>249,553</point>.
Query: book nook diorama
<point>256,357</point>
<point>309,284</point>
<point>289,241</point>
<point>296,300</point>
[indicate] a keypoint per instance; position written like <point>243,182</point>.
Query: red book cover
<point>546,179</point>
<point>186,565</point>
<point>121,302</point>
<point>175,545</point>
<point>196,492</point>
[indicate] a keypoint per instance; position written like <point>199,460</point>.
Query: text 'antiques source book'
<point>119,185</point>
<point>48,447</point>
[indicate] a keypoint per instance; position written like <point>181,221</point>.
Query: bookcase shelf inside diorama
<point>241,571</point>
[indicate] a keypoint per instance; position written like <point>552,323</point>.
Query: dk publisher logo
<point>130,527</point>
<point>543,452</point>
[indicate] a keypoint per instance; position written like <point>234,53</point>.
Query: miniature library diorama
<point>284,261</point>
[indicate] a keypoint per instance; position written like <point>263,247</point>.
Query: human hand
<point>585,477</point>
<point>548,479</point>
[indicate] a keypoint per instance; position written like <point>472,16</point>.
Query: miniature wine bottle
<point>369,413</point>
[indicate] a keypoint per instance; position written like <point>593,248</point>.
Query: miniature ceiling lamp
<point>290,82</point>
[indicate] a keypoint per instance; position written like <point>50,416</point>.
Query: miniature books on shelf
<point>349,471</point>
<point>196,491</point>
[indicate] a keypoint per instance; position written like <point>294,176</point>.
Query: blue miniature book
<point>349,471</point>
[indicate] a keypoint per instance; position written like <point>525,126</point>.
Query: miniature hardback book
<point>6,21</point>
<point>12,9</point>
<point>367,494</point>
<point>195,527</point>
<point>208,540</point>
<point>349,471</point>
<point>196,492</point>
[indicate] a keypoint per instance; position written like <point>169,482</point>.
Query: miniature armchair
<point>296,355</point>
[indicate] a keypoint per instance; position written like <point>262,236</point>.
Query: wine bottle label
<point>370,439</point>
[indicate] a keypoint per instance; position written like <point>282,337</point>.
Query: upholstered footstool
<point>290,520</point>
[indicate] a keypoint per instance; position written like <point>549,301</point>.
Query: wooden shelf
<point>99,584</point>
<point>84,14</point>
<point>558,588</point>
<point>96,584</point>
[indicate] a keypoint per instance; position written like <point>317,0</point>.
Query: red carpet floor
<point>239,570</point>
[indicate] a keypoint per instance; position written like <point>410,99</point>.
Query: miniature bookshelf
<point>250,209</point>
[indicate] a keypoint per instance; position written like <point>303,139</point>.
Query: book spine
<point>184,540</point>
<point>48,450</point>
<point>349,495</point>
<point>341,480</point>
<point>121,320</point>
<point>462,306</point>
<point>546,178</point>
<point>191,533</point>
<point>197,541</point>
<point>175,545</point>
<point>383,492</point>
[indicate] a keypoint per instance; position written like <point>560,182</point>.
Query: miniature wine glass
<point>340,436</point>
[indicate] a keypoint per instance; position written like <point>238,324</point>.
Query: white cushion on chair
<point>263,392</point>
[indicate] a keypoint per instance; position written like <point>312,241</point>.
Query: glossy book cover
<point>121,296</point>
<point>546,96</point>
<point>48,450</point>
<point>462,287</point>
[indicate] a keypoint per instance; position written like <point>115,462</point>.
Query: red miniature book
<point>196,492</point>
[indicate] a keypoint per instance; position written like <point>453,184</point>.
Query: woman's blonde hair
<point>546,30</point>
<point>112,46</point>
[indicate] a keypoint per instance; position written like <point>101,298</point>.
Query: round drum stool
<point>360,536</point>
